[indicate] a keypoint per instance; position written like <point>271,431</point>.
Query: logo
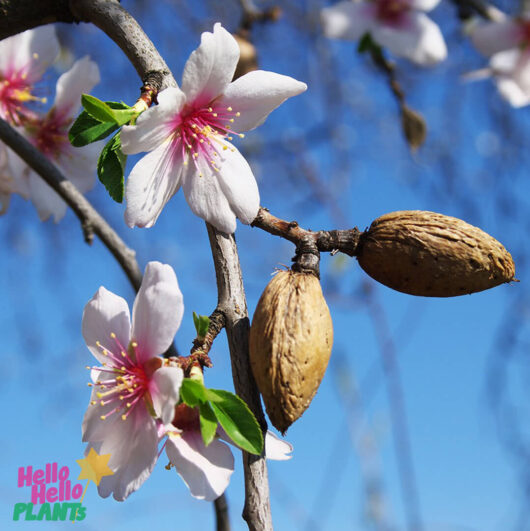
<point>52,495</point>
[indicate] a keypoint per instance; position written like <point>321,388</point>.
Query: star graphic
<point>94,466</point>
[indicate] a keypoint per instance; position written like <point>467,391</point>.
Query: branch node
<point>88,231</point>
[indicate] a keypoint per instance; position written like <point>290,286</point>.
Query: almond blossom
<point>188,138</point>
<point>206,470</point>
<point>507,43</point>
<point>399,25</point>
<point>23,61</point>
<point>134,391</point>
<point>49,133</point>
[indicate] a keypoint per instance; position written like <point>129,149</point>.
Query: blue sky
<point>450,352</point>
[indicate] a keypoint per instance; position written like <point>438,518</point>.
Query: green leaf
<point>86,130</point>
<point>97,109</point>
<point>111,168</point>
<point>237,420</point>
<point>112,111</point>
<point>124,116</point>
<point>193,393</point>
<point>208,422</point>
<point>201,322</point>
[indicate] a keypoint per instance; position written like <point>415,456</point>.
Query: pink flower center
<point>201,133</point>
<point>391,11</point>
<point>15,92</point>
<point>50,134</point>
<point>524,28</point>
<point>128,380</point>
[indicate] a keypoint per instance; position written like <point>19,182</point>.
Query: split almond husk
<point>432,255</point>
<point>290,344</point>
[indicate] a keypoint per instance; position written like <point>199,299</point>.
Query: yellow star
<point>94,466</point>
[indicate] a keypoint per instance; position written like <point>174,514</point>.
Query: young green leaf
<point>201,322</point>
<point>111,168</point>
<point>208,422</point>
<point>97,109</point>
<point>87,129</point>
<point>237,420</point>
<point>192,392</point>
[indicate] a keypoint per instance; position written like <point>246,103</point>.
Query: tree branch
<point>124,30</point>
<point>90,219</point>
<point>221,513</point>
<point>19,15</point>
<point>345,241</point>
<point>233,304</point>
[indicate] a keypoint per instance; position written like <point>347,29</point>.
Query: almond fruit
<point>290,344</point>
<point>432,255</point>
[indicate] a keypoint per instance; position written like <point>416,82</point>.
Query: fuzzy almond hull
<point>290,344</point>
<point>432,255</point>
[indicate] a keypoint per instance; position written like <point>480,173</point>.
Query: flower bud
<point>290,345</point>
<point>432,255</point>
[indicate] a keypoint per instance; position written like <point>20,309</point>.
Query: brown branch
<point>221,514</point>
<point>326,241</point>
<point>232,302</point>
<point>91,220</point>
<point>124,30</point>
<point>19,15</point>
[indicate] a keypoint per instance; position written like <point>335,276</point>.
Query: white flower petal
<point>206,470</point>
<point>153,125</point>
<point>211,67</point>
<point>133,448</point>
<point>106,314</point>
<point>256,94</point>
<point>205,197</point>
<point>505,62</point>
<point>19,171</point>
<point>423,5</point>
<point>80,79</point>
<point>238,185</point>
<point>94,429</point>
<point>164,388</point>
<point>46,200</point>
<point>277,449</point>
<point>30,52</point>
<point>79,165</point>
<point>157,311</point>
<point>493,37</point>
<point>151,184</point>
<point>512,92</point>
<point>419,40</point>
<point>348,20</point>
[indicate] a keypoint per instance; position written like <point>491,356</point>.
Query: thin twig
<point>221,514</point>
<point>326,241</point>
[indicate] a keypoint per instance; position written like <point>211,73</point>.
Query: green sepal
<point>237,420</point>
<point>111,168</point>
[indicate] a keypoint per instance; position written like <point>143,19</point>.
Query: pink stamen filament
<point>198,132</point>
<point>129,384</point>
